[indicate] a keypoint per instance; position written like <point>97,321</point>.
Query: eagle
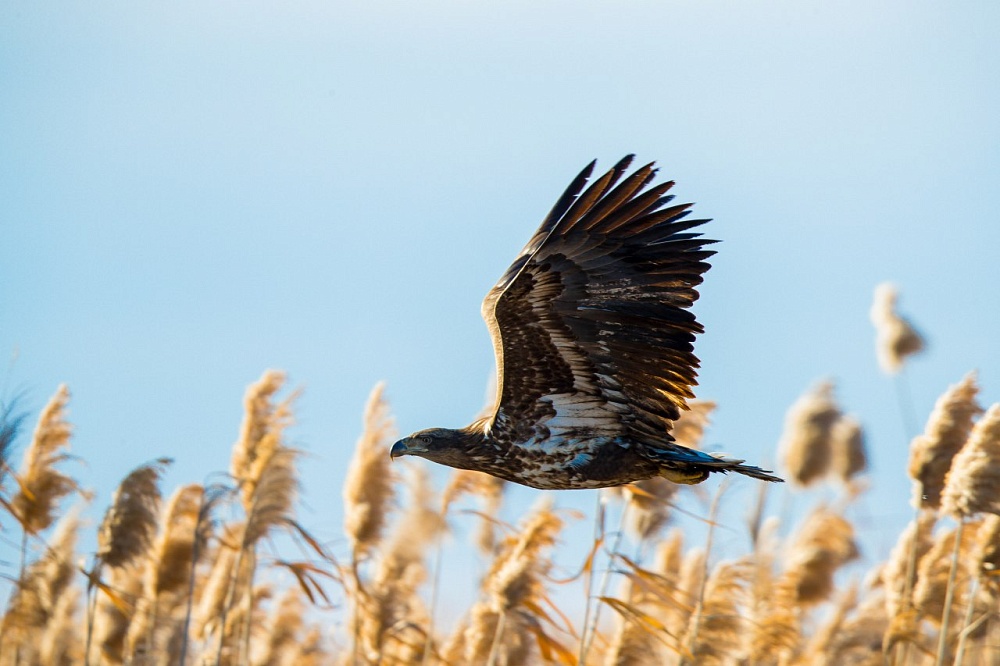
<point>593,337</point>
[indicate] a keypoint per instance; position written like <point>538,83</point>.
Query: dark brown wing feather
<point>590,324</point>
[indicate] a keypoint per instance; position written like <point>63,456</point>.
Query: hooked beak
<point>398,449</point>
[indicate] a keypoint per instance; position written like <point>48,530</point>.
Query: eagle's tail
<point>683,465</point>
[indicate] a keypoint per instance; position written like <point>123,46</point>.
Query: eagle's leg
<point>685,476</point>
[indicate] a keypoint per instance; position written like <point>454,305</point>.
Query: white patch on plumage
<point>577,417</point>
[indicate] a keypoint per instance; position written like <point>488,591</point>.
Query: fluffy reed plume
<point>268,482</point>
<point>165,587</point>
<point>214,591</point>
<point>41,484</point>
<point>820,644</point>
<point>848,457</point>
<point>823,544</point>
<point>310,651</point>
<point>858,639</point>
<point>172,554</point>
<point>773,631</point>
<point>260,433</point>
<point>670,553</point>
<point>971,488</point>
<point>123,542</point>
<point>639,636</point>
<point>60,643</point>
<point>718,635</point>
<point>984,593</point>
<point>489,489</point>
<point>680,603</point>
<point>649,506</point>
<point>368,486</point>
<point>129,526</point>
<point>930,592</point>
<point>39,599</point>
<point>231,650</point>
<point>392,622</point>
<point>914,542</point>
<point>973,482</point>
<point>895,337</point>
<point>642,635</point>
<point>773,607</point>
<point>284,631</point>
<point>632,643</point>
<point>805,445</point>
<point>503,623</point>
<point>274,494</point>
<point>689,429</point>
<point>114,611</point>
<point>947,430</point>
<point>988,546</point>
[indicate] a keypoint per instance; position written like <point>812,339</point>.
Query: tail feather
<point>684,465</point>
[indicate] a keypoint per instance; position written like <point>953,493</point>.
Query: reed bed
<point>180,578</point>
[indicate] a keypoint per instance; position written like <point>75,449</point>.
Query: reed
<point>199,578</point>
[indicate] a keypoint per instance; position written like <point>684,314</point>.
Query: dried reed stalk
<point>934,571</point>
<point>489,490</point>
<point>897,575</point>
<point>691,577</point>
<point>649,597</point>
<point>268,482</point>
<point>716,634</point>
<point>636,641</point>
<point>392,619</point>
<point>691,636</point>
<point>972,486</point>
<point>502,623</point>
<point>986,563</point>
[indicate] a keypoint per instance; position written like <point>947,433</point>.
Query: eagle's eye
<point>425,440</point>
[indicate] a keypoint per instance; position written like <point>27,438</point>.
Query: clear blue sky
<point>193,192</point>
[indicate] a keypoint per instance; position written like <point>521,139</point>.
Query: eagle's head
<point>441,445</point>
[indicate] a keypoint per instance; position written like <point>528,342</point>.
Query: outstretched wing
<point>590,324</point>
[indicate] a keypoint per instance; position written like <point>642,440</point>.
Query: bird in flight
<point>593,339</point>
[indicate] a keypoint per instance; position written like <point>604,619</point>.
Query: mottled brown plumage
<point>594,345</point>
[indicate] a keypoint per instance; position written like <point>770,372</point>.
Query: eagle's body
<point>593,339</point>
